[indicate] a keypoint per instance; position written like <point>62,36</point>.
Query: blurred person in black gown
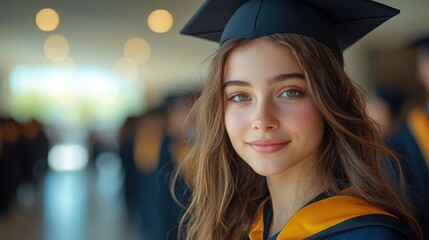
<point>140,141</point>
<point>172,148</point>
<point>387,107</point>
<point>10,165</point>
<point>150,145</point>
<point>411,141</point>
<point>35,148</point>
<point>23,158</point>
<point>126,150</point>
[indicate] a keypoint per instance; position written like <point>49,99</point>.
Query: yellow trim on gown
<point>317,217</point>
<point>418,122</point>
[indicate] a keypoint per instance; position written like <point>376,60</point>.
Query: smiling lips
<point>267,146</point>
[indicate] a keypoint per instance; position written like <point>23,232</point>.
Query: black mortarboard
<point>336,23</point>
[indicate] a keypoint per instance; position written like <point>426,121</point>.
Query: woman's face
<point>269,115</point>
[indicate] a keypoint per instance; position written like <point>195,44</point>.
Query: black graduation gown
<point>414,162</point>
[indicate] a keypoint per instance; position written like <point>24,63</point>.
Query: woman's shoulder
<point>369,233</point>
<point>354,218</point>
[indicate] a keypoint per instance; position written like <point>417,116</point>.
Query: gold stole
<point>317,217</point>
<point>418,123</point>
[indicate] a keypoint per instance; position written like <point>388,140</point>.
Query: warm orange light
<point>56,48</point>
<point>47,19</point>
<point>160,21</point>
<point>137,50</point>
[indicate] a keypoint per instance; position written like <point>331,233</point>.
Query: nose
<point>264,117</point>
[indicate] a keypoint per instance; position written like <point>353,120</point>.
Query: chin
<point>266,172</point>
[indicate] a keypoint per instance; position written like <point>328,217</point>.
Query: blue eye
<point>239,98</point>
<point>291,93</point>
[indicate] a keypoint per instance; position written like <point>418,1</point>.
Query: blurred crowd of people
<point>23,158</point>
<point>404,124</point>
<point>410,140</point>
<point>150,146</point>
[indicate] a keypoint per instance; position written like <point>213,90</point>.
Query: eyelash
<point>231,98</point>
<point>238,94</point>
<point>298,92</point>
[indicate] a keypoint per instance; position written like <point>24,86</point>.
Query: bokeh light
<point>137,50</point>
<point>72,98</point>
<point>56,48</point>
<point>47,19</point>
<point>68,157</point>
<point>160,21</point>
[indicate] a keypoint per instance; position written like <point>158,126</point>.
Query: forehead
<point>260,58</point>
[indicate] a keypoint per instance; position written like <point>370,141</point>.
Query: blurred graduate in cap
<point>283,145</point>
<point>411,141</point>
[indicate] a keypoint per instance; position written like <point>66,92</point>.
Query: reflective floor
<point>76,205</point>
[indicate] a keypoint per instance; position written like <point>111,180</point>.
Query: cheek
<point>235,123</point>
<point>305,119</point>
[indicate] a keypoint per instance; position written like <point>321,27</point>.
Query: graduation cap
<point>336,23</point>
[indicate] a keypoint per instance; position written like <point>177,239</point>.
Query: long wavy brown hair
<point>227,193</point>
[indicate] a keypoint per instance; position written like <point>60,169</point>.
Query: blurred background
<point>92,99</point>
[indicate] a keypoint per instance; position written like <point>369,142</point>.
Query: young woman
<point>283,146</point>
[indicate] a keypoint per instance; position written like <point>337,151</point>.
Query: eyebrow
<point>275,79</point>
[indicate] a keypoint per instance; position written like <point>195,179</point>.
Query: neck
<point>290,191</point>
